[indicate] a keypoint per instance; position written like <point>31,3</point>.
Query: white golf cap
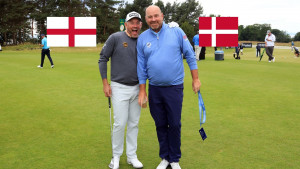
<point>268,31</point>
<point>133,14</point>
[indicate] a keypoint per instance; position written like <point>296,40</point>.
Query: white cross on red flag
<point>71,32</point>
<point>218,31</point>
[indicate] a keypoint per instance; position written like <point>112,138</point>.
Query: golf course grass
<point>59,118</point>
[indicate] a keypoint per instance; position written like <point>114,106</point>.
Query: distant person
<point>293,45</point>
<point>241,48</point>
<point>1,43</point>
<point>269,41</point>
<point>236,55</point>
<point>202,53</point>
<point>196,45</point>
<point>258,50</point>
<point>45,51</point>
<point>296,52</point>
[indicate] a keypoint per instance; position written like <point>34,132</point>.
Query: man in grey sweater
<point>124,88</point>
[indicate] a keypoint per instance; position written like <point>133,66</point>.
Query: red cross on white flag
<point>218,31</point>
<point>71,31</point>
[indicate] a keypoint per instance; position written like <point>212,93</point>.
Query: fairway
<point>59,118</point>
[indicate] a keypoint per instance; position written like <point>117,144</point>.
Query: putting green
<point>59,118</point>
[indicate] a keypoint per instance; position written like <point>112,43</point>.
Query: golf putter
<point>109,106</point>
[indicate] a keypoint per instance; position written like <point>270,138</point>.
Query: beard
<point>156,27</point>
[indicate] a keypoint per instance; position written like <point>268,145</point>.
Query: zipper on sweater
<point>157,37</point>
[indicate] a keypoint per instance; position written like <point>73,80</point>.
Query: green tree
<point>250,33</point>
<point>59,8</point>
<point>42,10</point>
<point>281,36</point>
<point>107,17</point>
<point>297,37</point>
<point>263,28</point>
<point>169,11</point>
<point>14,17</point>
<point>188,30</point>
<point>69,8</point>
<point>256,32</point>
<point>188,11</point>
<point>214,15</point>
<point>137,6</point>
<point>161,5</point>
<point>241,35</point>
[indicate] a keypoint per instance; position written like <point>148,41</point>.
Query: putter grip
<point>109,105</point>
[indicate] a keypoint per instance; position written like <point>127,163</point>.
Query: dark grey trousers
<point>269,51</point>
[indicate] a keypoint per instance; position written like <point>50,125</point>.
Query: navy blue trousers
<point>45,52</point>
<point>165,104</point>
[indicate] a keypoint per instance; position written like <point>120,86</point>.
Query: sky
<point>281,14</point>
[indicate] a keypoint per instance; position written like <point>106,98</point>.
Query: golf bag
<point>262,54</point>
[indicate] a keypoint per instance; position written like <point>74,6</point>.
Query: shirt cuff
<point>142,81</point>
<point>193,67</point>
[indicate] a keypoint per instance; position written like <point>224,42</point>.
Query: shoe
<point>269,61</point>
<point>52,66</point>
<point>163,164</point>
<point>135,163</point>
<point>273,60</point>
<point>175,166</point>
<point>114,163</point>
<point>39,66</point>
<point>111,164</point>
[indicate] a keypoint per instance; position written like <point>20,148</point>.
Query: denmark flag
<point>218,31</point>
<point>71,31</point>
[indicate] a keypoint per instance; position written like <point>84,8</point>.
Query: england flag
<point>71,31</point>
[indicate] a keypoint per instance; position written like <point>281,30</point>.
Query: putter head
<point>202,133</point>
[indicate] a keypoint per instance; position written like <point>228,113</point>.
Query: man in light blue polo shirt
<point>45,51</point>
<point>196,46</point>
<point>160,50</point>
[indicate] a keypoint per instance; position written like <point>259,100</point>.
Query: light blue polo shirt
<point>196,40</point>
<point>44,42</point>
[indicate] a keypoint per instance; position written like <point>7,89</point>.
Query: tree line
<point>17,17</point>
<point>257,32</point>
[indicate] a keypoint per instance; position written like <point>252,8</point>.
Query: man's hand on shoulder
<point>173,24</point>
